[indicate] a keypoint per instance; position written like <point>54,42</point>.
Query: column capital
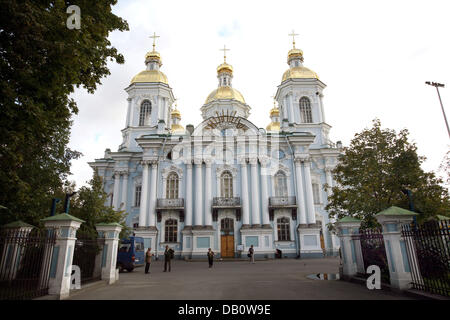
<point>208,162</point>
<point>129,99</point>
<point>145,162</point>
<point>264,160</point>
<point>253,161</point>
<point>198,161</point>
<point>242,160</point>
<point>188,161</point>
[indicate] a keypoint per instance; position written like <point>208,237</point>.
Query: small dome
<point>153,55</point>
<point>225,93</point>
<point>152,76</point>
<point>273,126</point>
<point>177,128</point>
<point>299,73</point>
<point>224,67</point>
<point>274,112</point>
<point>176,114</point>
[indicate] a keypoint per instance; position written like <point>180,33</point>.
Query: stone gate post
<point>110,232</point>
<point>391,221</point>
<point>65,227</point>
<point>346,228</point>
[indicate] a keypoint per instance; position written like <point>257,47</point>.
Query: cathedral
<point>225,184</point>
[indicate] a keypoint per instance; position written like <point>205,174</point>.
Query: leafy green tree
<point>41,61</point>
<point>89,205</point>
<point>375,170</point>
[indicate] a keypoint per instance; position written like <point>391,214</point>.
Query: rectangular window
<point>137,196</point>
<point>171,230</point>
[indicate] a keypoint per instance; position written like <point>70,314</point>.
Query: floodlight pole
<point>437,85</point>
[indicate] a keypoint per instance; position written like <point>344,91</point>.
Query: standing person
<point>148,260</point>
<point>210,255</point>
<point>168,255</point>
<point>251,254</point>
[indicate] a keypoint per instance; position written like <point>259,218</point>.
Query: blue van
<point>131,253</point>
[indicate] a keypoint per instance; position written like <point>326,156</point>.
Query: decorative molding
<point>226,167</point>
<point>172,168</point>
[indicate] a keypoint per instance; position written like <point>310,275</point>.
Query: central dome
<point>299,72</point>
<point>225,93</point>
<point>150,76</point>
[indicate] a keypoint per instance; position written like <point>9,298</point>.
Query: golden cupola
<point>275,117</point>
<point>225,89</point>
<point>296,69</point>
<point>176,117</point>
<point>151,74</point>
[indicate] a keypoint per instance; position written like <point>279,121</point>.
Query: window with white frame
<point>170,230</point>
<point>172,186</point>
<point>137,196</point>
<point>316,193</point>
<point>280,184</point>
<point>305,110</point>
<point>226,180</point>
<point>146,110</point>
<point>284,233</point>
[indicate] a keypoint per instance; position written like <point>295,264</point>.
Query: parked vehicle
<point>131,253</point>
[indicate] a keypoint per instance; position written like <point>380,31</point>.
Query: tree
<point>41,61</point>
<point>373,172</point>
<point>89,205</point>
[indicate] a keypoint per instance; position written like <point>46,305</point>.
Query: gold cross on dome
<point>154,36</point>
<point>224,53</point>
<point>293,34</point>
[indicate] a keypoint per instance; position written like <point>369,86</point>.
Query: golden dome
<point>299,73</point>
<point>153,55</point>
<point>295,53</point>
<point>150,76</point>
<point>177,128</point>
<point>225,93</point>
<point>225,67</point>
<point>274,112</point>
<point>176,113</point>
<point>273,126</point>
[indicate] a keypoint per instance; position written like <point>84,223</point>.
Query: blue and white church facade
<point>226,184</point>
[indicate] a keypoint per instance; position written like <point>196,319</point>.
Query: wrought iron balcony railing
<point>282,202</point>
<point>222,202</point>
<point>170,203</point>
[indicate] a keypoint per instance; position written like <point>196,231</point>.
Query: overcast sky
<point>373,56</point>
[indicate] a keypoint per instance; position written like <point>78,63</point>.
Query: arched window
<point>226,181</point>
<point>283,229</point>
<point>172,186</point>
<point>280,184</point>
<point>305,110</point>
<point>171,228</point>
<point>146,110</point>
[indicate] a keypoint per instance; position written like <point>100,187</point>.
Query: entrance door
<point>227,238</point>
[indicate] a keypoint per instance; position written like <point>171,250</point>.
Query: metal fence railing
<point>25,258</point>
<point>428,249</point>
<point>87,256</point>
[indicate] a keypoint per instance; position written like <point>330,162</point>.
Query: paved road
<point>273,279</point>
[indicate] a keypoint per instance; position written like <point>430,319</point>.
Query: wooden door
<point>227,246</point>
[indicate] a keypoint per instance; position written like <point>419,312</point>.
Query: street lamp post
<point>437,85</point>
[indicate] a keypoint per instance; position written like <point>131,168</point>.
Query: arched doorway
<point>227,238</point>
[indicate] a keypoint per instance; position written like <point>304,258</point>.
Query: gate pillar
<point>109,232</point>
<point>65,228</point>
<point>346,228</point>
<point>391,221</point>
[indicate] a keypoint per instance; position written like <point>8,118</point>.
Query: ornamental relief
<point>226,167</point>
<point>166,171</point>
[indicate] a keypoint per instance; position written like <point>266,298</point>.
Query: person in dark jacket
<point>148,259</point>
<point>251,254</point>
<point>210,255</point>
<point>168,255</point>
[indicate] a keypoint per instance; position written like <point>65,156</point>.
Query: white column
<point>245,204</point>
<point>300,192</point>
<point>198,192</point>
<point>264,192</point>
<point>116,191</point>
<point>128,123</point>
<point>144,193</point>
<point>110,232</point>
<point>189,186</point>
<point>152,204</point>
<point>124,190</point>
<point>208,213</point>
<point>255,191</point>
<point>311,216</point>
<point>291,109</point>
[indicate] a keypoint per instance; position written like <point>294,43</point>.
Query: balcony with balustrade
<point>226,203</point>
<point>170,205</point>
<point>283,203</point>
